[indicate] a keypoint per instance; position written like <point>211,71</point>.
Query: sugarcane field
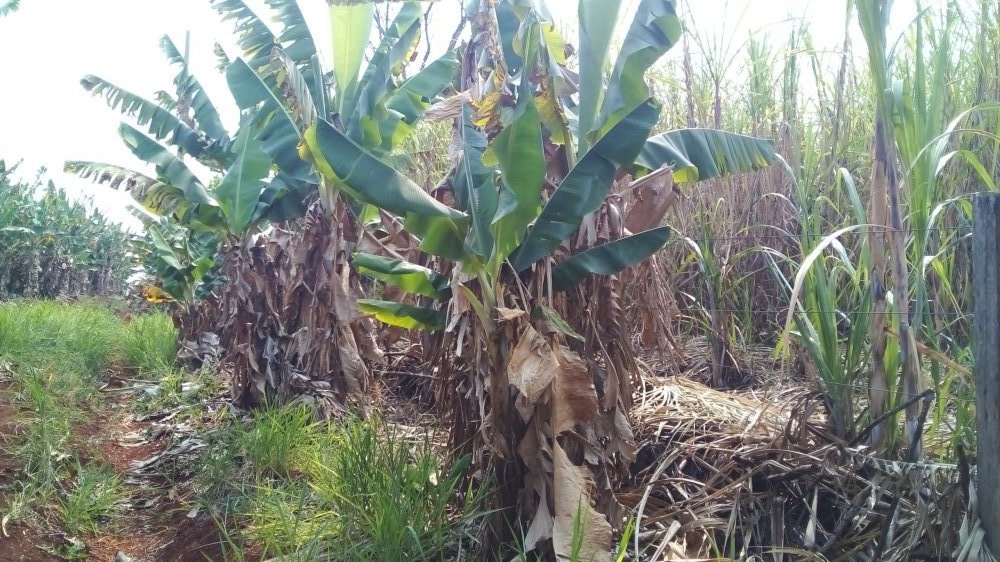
<point>500,280</point>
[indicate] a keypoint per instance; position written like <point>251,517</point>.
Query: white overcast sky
<point>46,117</point>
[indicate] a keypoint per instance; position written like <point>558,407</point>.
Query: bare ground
<point>153,524</point>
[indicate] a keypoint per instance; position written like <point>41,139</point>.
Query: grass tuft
<point>150,345</point>
<point>355,490</point>
<point>91,499</point>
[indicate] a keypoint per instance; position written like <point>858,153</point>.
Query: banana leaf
<point>703,154</point>
<point>409,277</point>
<point>610,258</point>
<point>654,30</point>
<point>277,130</point>
<point>583,190</point>
<point>159,122</point>
<point>168,166</point>
<point>205,112</point>
<point>402,315</point>
<point>369,180</point>
<point>253,35</point>
<point>239,191</point>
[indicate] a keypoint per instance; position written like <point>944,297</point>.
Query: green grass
<point>275,439</point>
<point>150,345</point>
<point>353,490</point>
<point>59,353</point>
<point>91,499</point>
<point>73,342</point>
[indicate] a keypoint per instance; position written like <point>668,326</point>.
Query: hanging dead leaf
<point>531,368</point>
<point>579,532</point>
<point>505,314</point>
<point>574,399</point>
<point>653,196</point>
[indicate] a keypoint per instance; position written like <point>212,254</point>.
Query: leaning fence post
<point>986,295</point>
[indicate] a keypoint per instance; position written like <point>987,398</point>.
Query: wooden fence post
<point>986,294</point>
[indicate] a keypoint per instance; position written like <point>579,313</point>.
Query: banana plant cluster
<point>280,88</point>
<point>518,251</point>
<point>50,245</point>
<point>533,221</point>
<point>268,224</point>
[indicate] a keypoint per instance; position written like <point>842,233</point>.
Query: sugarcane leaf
<point>610,258</point>
<point>584,188</point>
<point>406,316</point>
<point>703,154</point>
<point>409,277</point>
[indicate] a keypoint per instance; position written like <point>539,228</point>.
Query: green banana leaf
<point>295,37</point>
<point>597,23</point>
<point>520,156</point>
<point>610,258</point>
<point>584,188</point>
<point>397,44</point>
<point>474,186</point>
<point>409,277</point>
<point>168,167</point>
<point>188,87</point>
<point>300,46</point>
<point>402,315</point>
<point>369,180</point>
<point>239,191</point>
<point>8,6</point>
<point>116,177</point>
<point>160,123</point>
<point>295,87</point>
<point>404,106</point>
<point>703,154</point>
<point>351,24</point>
<point>654,29</point>
<point>163,250</point>
<point>283,198</point>
<point>222,60</point>
<point>253,36</point>
<point>277,130</point>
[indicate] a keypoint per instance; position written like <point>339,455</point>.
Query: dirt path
<point>152,524</point>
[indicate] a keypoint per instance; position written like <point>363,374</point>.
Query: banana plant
<point>523,277</point>
<point>51,246</point>
<point>9,6</point>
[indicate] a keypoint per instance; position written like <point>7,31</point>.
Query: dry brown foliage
<point>720,474</point>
